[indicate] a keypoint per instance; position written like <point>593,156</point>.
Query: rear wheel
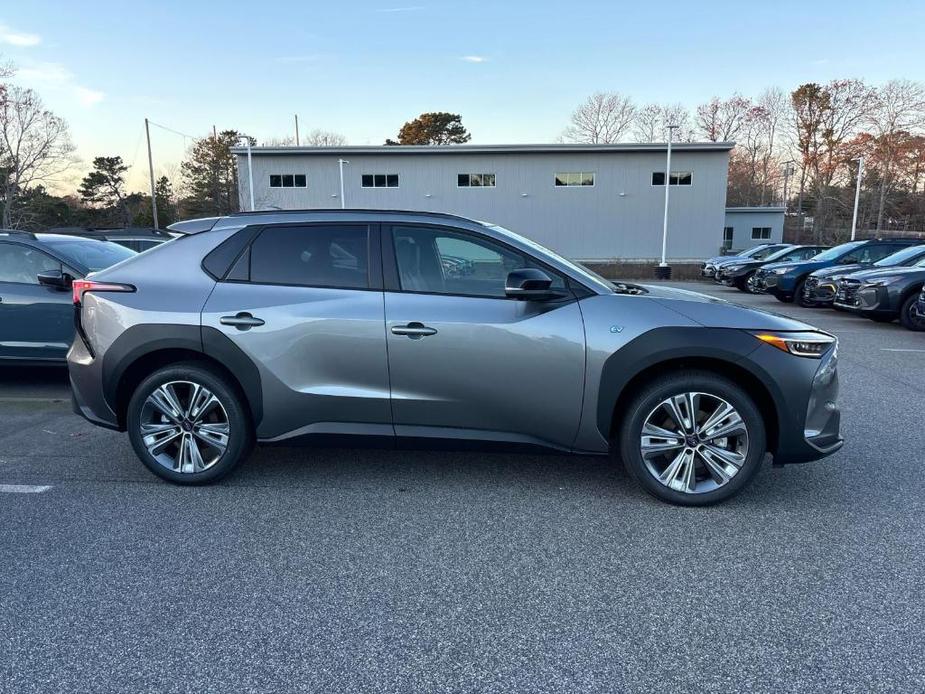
<point>188,425</point>
<point>692,438</point>
<point>909,317</point>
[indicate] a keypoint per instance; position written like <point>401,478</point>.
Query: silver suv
<point>273,326</point>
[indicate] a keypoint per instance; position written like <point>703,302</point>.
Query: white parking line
<point>896,349</point>
<point>24,488</point>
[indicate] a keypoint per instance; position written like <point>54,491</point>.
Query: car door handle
<point>242,321</point>
<point>413,330</point>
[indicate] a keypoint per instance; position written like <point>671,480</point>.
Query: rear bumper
<point>87,393</point>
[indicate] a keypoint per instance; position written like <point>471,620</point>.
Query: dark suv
<point>390,325</point>
<point>137,239</point>
<point>786,281</point>
<point>36,310</point>
<point>822,285</point>
<point>885,294</point>
<point>740,273</point>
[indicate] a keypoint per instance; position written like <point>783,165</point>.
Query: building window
<point>380,180</point>
<point>727,237</point>
<point>288,181</point>
<point>471,180</point>
<point>678,178</point>
<point>761,233</point>
<point>568,179</point>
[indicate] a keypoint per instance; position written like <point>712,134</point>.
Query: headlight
<point>782,270</point>
<point>807,344</point>
<point>883,281</point>
<point>733,268</point>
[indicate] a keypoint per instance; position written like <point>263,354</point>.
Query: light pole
<point>663,271</point>
<point>857,198</point>
<point>250,168</point>
<point>340,163</point>
<point>788,172</point>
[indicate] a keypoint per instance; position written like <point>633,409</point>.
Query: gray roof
<point>491,149</point>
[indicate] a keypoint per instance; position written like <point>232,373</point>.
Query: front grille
<point>809,288</point>
<point>847,292</point>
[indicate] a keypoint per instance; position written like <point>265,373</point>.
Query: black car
<point>822,285</point>
<point>739,274</point>
<point>708,267</point>
<point>786,281</point>
<point>920,306</point>
<point>885,294</point>
<point>36,307</point>
<point>136,238</point>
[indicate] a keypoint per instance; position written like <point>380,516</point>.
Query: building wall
<point>743,220</point>
<point>620,217</point>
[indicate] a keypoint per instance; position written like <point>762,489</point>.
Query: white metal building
<point>749,226</point>
<point>587,202</point>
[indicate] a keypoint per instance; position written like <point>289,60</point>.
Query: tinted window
<point>316,256</point>
<point>92,254</point>
<point>445,262</point>
<point>904,256</point>
<point>868,254</point>
<point>22,264</point>
<point>834,253</point>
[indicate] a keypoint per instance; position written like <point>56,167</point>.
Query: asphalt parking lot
<point>416,571</point>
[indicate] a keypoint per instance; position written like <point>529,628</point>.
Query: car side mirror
<point>530,284</point>
<point>56,279</point>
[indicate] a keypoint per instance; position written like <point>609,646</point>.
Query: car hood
<point>803,265</point>
<point>872,274</point>
<point>840,270</point>
<point>713,312</point>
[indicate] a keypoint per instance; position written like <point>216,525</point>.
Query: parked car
<point>136,238</point>
<point>920,306</point>
<point>885,294</point>
<point>785,281</point>
<point>821,286</point>
<point>36,311</point>
<point>740,274</point>
<point>250,329</point>
<point>708,267</point>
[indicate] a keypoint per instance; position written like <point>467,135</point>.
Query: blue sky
<point>514,70</point>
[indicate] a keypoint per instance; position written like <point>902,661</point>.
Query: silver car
<point>278,326</point>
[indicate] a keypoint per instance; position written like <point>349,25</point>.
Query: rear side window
<point>312,256</point>
<point>92,254</point>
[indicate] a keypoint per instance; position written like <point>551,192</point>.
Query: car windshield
<point>92,254</point>
<point>542,250</point>
<point>755,252</point>
<point>782,253</point>
<point>900,257</point>
<point>837,252</point>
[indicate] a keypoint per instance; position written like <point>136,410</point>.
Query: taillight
<point>81,287</point>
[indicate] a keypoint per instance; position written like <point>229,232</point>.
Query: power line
<point>175,132</point>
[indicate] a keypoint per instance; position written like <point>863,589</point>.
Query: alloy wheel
<point>184,426</point>
<point>694,442</point>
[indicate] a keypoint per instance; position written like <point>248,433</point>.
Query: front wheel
<point>747,284</point>
<point>910,317</point>
<point>800,297</point>
<point>188,424</point>
<point>692,438</point>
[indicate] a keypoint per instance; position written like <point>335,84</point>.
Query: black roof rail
<point>354,210</point>
<point>21,232</point>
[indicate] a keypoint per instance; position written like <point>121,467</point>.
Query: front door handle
<point>242,321</point>
<point>414,330</point>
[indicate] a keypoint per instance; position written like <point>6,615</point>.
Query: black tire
<point>908,317</point>
<point>798,295</point>
<point>882,318</point>
<point>240,428</point>
<point>742,284</point>
<point>647,399</point>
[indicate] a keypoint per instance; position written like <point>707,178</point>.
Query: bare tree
<point>721,120</point>
<point>898,110</point>
<point>652,121</point>
<point>35,146</point>
<point>603,118</point>
<point>324,138</point>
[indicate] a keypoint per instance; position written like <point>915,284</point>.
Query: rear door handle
<point>242,321</point>
<point>414,330</point>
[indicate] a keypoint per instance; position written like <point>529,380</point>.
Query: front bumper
<point>819,290</point>
<point>707,271</point>
<point>846,296</point>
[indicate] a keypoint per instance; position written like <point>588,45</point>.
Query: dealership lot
<point>366,570</point>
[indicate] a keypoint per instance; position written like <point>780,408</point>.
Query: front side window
<point>288,181</point>
<point>380,180</point>
<point>22,264</point>
<point>678,178</point>
<point>475,180</point>
<point>571,178</point>
<point>761,233</point>
<point>441,261</point>
<point>311,256</point>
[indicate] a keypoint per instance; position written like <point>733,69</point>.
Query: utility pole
<point>250,168</point>
<point>214,133</point>
<point>788,172</point>
<point>857,198</point>
<point>297,130</point>
<point>151,172</point>
<point>340,163</point>
<point>663,271</point>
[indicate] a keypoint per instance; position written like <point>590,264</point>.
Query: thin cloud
<point>474,59</point>
<point>18,38</point>
<point>55,76</point>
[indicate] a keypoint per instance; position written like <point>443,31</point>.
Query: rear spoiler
<point>193,226</point>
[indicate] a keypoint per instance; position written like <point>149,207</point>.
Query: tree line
<point>808,141</point>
